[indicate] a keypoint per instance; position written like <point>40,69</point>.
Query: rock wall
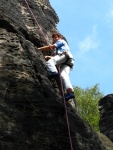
<point>106,141</point>
<point>106,116</point>
<point>32,114</point>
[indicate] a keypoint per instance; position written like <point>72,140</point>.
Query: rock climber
<point>64,58</point>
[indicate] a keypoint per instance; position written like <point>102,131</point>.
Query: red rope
<point>59,73</point>
<point>37,24</point>
<point>66,110</point>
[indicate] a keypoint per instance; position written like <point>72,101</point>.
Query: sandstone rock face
<point>106,141</point>
<point>32,113</point>
<point>106,116</point>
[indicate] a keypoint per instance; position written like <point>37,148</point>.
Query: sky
<point>88,28</point>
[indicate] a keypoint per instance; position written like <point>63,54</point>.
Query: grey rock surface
<point>106,116</point>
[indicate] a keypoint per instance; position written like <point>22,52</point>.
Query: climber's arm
<point>46,48</point>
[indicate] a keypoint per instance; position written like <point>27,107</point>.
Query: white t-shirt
<point>61,46</point>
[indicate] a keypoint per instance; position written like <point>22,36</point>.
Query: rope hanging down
<point>40,29</point>
<point>65,110</point>
<point>59,73</point>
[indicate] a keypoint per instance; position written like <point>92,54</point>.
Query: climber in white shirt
<point>64,58</point>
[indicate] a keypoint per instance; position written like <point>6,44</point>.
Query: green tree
<point>87,104</point>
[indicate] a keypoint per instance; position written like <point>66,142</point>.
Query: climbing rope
<point>59,73</point>
<point>68,125</point>
<point>40,29</point>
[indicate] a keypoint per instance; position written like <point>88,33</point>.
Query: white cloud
<point>110,16</point>
<point>89,43</point>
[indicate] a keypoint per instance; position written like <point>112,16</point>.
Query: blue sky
<point>88,28</point>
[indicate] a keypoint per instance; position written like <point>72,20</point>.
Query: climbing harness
<point>58,71</point>
<point>70,61</point>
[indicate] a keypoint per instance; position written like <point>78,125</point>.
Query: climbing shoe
<point>69,96</point>
<point>53,74</point>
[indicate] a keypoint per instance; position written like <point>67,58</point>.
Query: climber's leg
<point>65,71</point>
<point>51,64</point>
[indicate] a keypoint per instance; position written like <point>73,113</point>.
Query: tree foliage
<point>87,104</point>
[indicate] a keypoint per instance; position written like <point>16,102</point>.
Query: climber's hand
<point>47,57</point>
